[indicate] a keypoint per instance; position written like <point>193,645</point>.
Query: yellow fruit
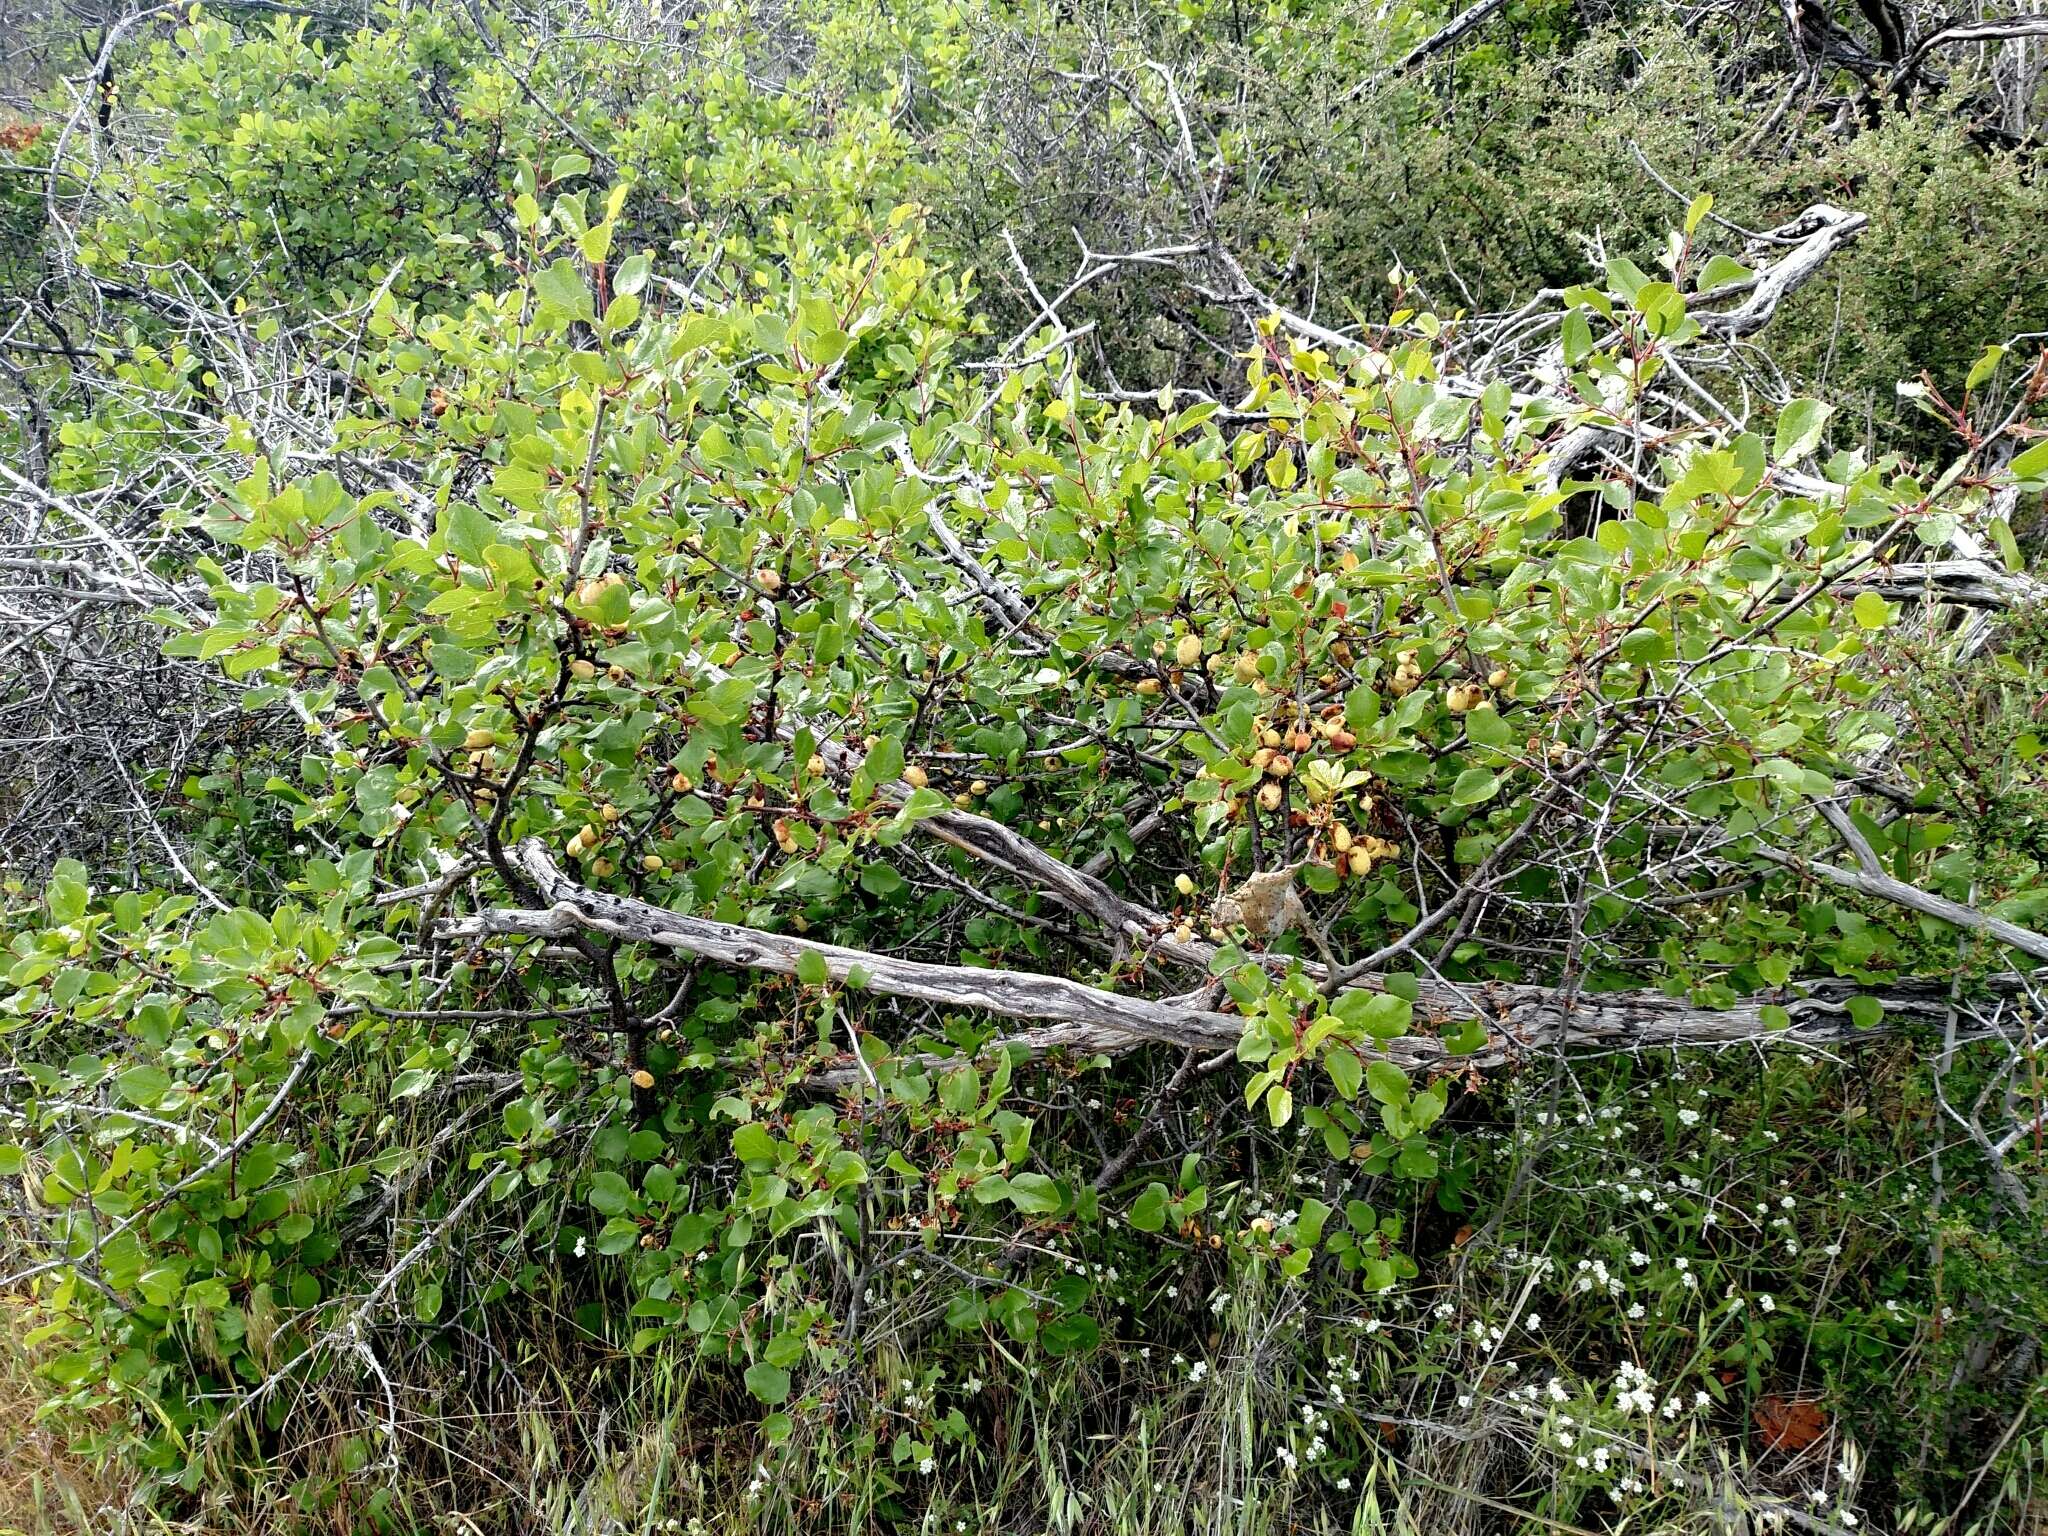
<point>478,739</point>
<point>1148,686</point>
<point>603,867</point>
<point>916,777</point>
<point>1281,766</point>
<point>978,787</point>
<point>589,835</point>
<point>1497,678</point>
<point>643,1078</point>
<point>1271,795</point>
<point>963,800</point>
<point>680,783</point>
<point>768,579</point>
<point>1184,885</point>
<point>1189,651</point>
<point>610,813</point>
<point>816,766</point>
<point>1245,668</point>
<point>583,671</point>
<point>1269,737</point>
<point>1361,862</point>
<point>1183,934</point>
<point>1340,838</point>
<point>652,863</point>
<point>1261,758</point>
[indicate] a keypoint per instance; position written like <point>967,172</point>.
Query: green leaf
<point>560,287</point>
<point>1645,647</point>
<point>1871,611</point>
<point>144,1086</point>
<point>2033,463</point>
<point>1721,271</point>
<point>632,275</point>
<point>1866,1012</point>
<point>1386,1082</point>
<point>1035,1195</point>
<point>1072,1335</point>
<point>1148,1211</point>
<point>1279,1105</point>
<point>1308,1224</point>
<point>1475,786</point>
<point>811,969</point>
<point>610,1194</point>
<point>1799,428</point>
<point>769,1383</point>
<point>751,1143</point>
<point>1347,1073</point>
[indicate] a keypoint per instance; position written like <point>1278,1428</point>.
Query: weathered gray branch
<point>1072,1015</point>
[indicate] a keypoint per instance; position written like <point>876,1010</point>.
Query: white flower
<point>927,1467</point>
<point>1532,1322</point>
<point>1767,1303</point>
<point>582,1245</point>
<point>1343,1485</point>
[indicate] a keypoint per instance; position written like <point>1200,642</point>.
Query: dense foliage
<point>688,844</point>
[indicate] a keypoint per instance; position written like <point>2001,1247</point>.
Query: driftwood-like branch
<point>1966,583</point>
<point>1821,230</point>
<point>1072,1015</point>
<point>1875,883</point>
<point>1006,994</point>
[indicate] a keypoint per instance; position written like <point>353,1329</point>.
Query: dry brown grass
<point>45,1488</point>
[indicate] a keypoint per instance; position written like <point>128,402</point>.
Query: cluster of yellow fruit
<point>1356,853</point>
<point>1463,698</point>
<point>588,837</point>
<point>917,778</point>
